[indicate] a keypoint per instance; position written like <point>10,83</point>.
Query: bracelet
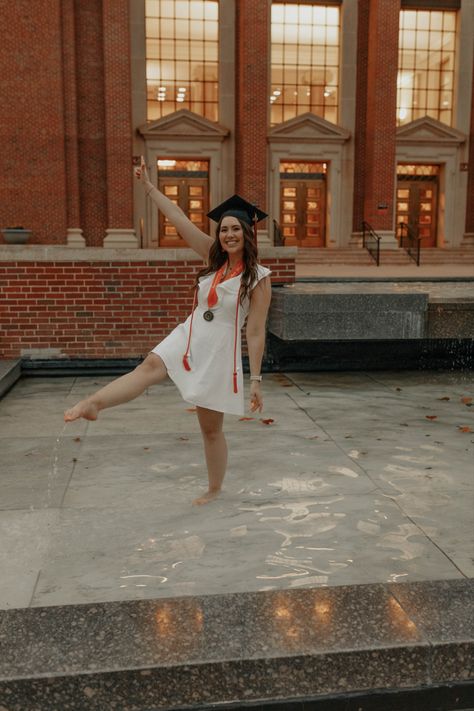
<point>256,377</point>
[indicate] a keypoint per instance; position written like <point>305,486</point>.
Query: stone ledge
<point>10,372</point>
<point>40,253</point>
<point>242,647</point>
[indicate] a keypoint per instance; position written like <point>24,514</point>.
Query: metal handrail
<point>410,242</point>
<point>371,241</point>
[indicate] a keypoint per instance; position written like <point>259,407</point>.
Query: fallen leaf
<point>77,439</point>
<point>146,447</point>
<point>466,400</point>
<point>190,409</point>
<point>398,389</point>
<point>269,421</point>
<point>185,439</point>
<point>245,419</point>
<point>403,424</point>
<point>431,417</point>
<point>74,459</point>
<point>464,428</point>
<point>443,398</point>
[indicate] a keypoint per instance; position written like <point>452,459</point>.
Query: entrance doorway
<point>303,203</point>
<point>186,183</point>
<point>417,200</point>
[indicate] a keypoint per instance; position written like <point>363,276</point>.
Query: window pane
<point>305,60</point>
<point>426,64</point>
<point>181,46</point>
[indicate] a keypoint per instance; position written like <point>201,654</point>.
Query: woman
<point>203,354</point>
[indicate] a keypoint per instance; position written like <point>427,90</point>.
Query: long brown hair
<point>217,257</point>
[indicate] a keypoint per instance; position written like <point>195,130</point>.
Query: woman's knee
<point>152,368</point>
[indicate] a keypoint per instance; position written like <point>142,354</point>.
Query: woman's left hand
<point>256,399</point>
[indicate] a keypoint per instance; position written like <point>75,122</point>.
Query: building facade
<point>325,114</point>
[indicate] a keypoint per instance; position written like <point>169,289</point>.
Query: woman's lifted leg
<point>123,389</point>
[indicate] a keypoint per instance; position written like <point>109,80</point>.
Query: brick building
<point>325,114</point>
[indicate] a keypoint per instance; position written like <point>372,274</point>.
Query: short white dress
<point>210,383</point>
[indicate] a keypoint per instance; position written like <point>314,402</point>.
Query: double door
<point>417,206</point>
<point>186,183</point>
<point>303,210</point>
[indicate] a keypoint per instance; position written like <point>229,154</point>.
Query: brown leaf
<point>444,398</point>
<point>464,428</point>
<point>245,419</point>
<point>77,439</point>
<point>185,439</point>
<point>398,389</point>
<point>431,417</point>
<point>466,400</point>
<point>190,409</point>
<point>146,448</point>
<point>269,421</point>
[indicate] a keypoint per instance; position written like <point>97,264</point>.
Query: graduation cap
<point>236,206</point>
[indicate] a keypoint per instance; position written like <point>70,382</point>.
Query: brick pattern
<point>32,155</point>
<point>99,309</point>
<point>470,184</point>
<point>380,117</point>
<point>118,113</point>
<point>70,113</point>
<point>361,112</point>
<point>252,100</point>
<point>91,120</point>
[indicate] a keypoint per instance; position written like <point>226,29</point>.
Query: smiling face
<point>231,236</point>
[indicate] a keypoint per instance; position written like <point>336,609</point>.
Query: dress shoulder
<point>262,272</point>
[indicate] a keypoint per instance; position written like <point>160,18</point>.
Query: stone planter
<point>16,235</point>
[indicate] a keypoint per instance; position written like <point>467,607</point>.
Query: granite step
<point>262,649</point>
<point>10,372</point>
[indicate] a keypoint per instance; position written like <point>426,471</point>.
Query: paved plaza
<point>346,478</point>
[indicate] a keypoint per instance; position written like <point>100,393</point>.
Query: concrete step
<point>10,372</point>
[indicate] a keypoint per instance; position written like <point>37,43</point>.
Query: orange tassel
<point>235,383</point>
<point>185,363</point>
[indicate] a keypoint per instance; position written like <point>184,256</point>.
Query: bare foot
<point>208,496</point>
<point>85,408</point>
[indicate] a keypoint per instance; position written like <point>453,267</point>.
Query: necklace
<point>220,276</point>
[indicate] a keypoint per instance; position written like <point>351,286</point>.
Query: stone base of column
<point>75,238</point>
<point>388,239</point>
<point>468,240</point>
<point>263,238</point>
<point>120,239</point>
<point>355,240</point>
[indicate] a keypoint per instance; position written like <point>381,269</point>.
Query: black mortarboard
<point>238,207</point>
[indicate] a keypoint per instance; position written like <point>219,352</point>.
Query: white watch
<point>256,377</point>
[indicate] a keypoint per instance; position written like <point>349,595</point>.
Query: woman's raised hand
<point>142,172</point>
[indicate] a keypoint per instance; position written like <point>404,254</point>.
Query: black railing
<point>277,235</point>
<point>371,241</point>
<point>409,241</point>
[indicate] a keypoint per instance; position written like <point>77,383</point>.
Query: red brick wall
<point>252,99</point>
<point>380,114</point>
<point>361,111</point>
<point>99,309</point>
<point>32,151</point>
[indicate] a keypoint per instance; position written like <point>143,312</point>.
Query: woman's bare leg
<point>123,389</point>
<point>215,448</point>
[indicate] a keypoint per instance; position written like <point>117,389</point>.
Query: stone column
<point>252,63</point>
<point>74,231</point>
<point>375,163</point>
<point>468,239</point>
<point>118,124</point>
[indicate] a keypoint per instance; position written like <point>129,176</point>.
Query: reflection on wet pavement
<point>362,477</point>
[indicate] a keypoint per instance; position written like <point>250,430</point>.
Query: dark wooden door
<point>417,205</point>
<point>303,212</point>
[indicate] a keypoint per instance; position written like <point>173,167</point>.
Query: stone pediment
<point>184,124</point>
<point>427,130</point>
<point>308,128</point>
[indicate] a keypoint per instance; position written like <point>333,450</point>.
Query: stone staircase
<point>388,257</point>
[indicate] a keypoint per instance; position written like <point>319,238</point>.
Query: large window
<point>305,61</point>
<point>425,84</point>
<point>182,57</point>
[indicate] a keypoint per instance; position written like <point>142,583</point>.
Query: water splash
<point>53,469</point>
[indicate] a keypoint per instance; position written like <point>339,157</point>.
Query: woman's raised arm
<point>192,235</point>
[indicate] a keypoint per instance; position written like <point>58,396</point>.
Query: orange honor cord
<point>236,390</point>
<point>185,357</point>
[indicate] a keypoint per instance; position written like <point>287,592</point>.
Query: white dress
<point>209,383</point>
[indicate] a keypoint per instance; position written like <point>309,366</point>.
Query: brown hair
<point>217,257</point>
